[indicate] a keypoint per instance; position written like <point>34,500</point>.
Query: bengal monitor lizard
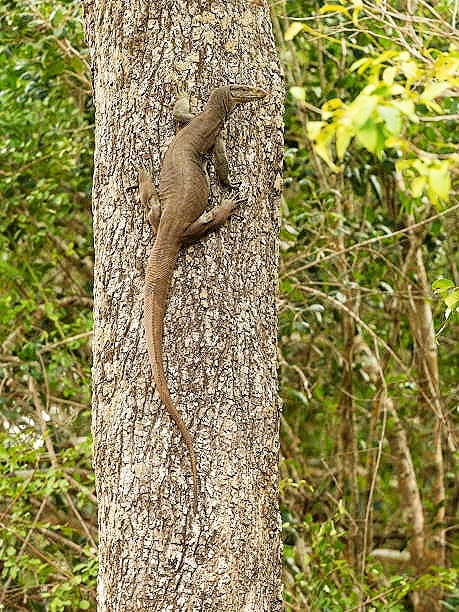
<point>178,217</point>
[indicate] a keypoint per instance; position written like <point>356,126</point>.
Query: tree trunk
<point>430,407</point>
<point>220,325</point>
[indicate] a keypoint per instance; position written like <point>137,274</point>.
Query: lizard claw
<point>234,183</point>
<point>183,93</point>
<point>233,202</point>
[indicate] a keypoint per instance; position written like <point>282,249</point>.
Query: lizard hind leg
<point>209,221</point>
<point>149,198</point>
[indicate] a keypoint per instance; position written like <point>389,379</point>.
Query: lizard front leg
<point>209,221</point>
<point>221,163</point>
<point>149,198</point>
<point>181,110</point>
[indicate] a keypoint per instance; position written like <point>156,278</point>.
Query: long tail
<point>160,268</point>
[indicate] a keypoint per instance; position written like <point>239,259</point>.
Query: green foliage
<point>370,167</point>
<point>322,574</point>
<point>371,135</point>
<point>45,153</point>
<point>48,525</point>
<point>449,293</point>
<point>45,551</point>
<point>400,89</point>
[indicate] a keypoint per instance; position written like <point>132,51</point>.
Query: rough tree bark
<point>220,327</point>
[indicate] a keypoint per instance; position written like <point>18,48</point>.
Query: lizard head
<point>244,93</point>
<point>228,97</point>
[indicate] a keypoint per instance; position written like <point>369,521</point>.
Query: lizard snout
<point>246,93</point>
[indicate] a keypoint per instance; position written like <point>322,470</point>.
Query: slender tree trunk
<point>430,405</point>
<point>347,438</point>
<point>220,325</point>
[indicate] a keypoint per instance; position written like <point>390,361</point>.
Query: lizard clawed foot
<point>146,188</point>
<point>182,109</point>
<point>233,203</point>
<point>234,182</point>
<point>210,220</point>
<point>149,197</point>
<point>182,92</point>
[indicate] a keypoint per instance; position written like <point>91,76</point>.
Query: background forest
<point>368,328</point>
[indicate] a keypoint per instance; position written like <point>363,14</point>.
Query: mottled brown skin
<point>178,218</point>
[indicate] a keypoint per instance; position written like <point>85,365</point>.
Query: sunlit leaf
<point>446,67</point>
<point>407,108</point>
<point>418,185</point>
<point>442,284</point>
<point>410,70</point>
<point>357,4</point>
<point>322,149</point>
<point>433,90</point>
<point>389,74</point>
<point>439,182</point>
<point>360,110</point>
<point>293,29</point>
<point>361,64</point>
<point>314,128</point>
<point>344,134</point>
<point>452,300</point>
<point>333,8</point>
<point>397,90</point>
<point>333,104</point>
<point>391,117</point>
<point>367,135</point>
<point>299,93</point>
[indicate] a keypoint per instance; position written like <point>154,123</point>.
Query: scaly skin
<point>178,220</point>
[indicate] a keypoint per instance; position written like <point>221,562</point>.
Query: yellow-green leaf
<point>367,135</point>
<point>392,142</point>
<point>389,75</point>
<point>433,106</point>
<point>322,141</point>
<point>344,133</point>
<point>433,90</point>
<point>355,16</point>
<point>406,107</point>
<point>362,63</point>
<point>323,152</point>
<point>418,185</point>
<point>299,93</point>
<point>392,118</point>
<point>452,299</point>
<point>396,90</point>
<point>361,108</point>
<point>293,29</point>
<point>314,127</point>
<point>442,284</point>
<point>446,67</point>
<point>420,164</point>
<point>333,104</point>
<point>439,182</point>
<point>410,70</point>
<point>333,8</point>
